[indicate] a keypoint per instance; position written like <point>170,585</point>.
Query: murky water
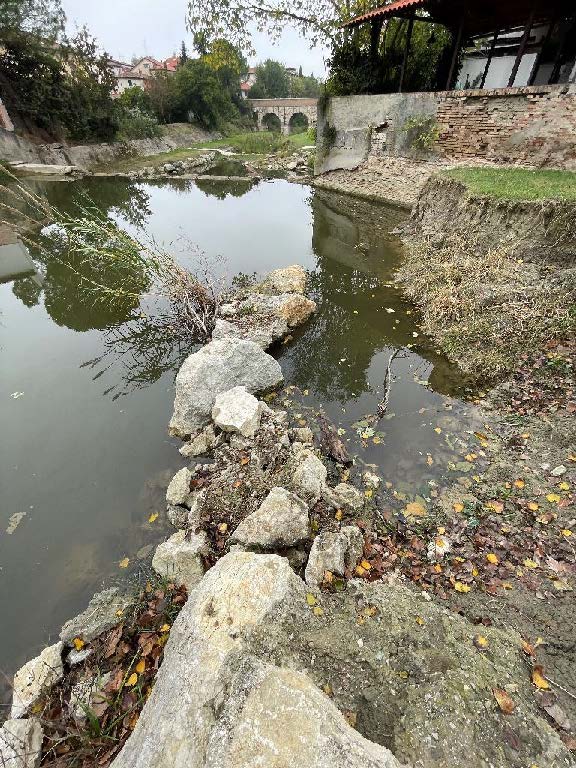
<point>85,402</point>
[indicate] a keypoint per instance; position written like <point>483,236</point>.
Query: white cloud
<point>137,27</point>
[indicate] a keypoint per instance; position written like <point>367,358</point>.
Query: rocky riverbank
<point>312,632</point>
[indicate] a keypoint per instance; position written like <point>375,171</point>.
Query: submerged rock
<point>35,679</point>
<point>100,615</point>
<point>280,521</point>
<point>21,743</point>
<point>286,280</point>
<point>263,330</point>
<point>237,411</point>
<point>215,368</point>
<point>180,558</point>
<point>344,496</point>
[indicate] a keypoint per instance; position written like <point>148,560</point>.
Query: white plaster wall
<point>499,71</point>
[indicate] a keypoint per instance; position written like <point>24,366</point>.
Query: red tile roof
<point>385,10</point>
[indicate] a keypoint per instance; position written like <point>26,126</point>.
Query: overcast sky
<point>157,27</point>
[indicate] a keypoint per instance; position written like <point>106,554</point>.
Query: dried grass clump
<point>486,309</point>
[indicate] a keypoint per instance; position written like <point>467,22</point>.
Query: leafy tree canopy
<point>272,81</point>
<point>44,17</point>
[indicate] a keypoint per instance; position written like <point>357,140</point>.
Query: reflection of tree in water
<point>62,274</point>
<point>221,189</point>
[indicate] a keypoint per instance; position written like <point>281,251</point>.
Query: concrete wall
<point>526,126</point>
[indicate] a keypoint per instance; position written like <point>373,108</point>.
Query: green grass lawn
<point>517,183</point>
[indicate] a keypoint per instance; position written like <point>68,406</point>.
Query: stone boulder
<point>180,558</point>
<point>237,411</point>
<point>334,552</point>
<point>100,615</point>
<point>178,491</point>
<point>295,309</point>
<point>344,496</point>
<point>309,477</point>
<point>216,368</point>
<point>280,521</point>
<point>214,705</point>
<point>35,678</point>
<point>202,443</point>
<point>286,280</point>
<point>21,743</point>
<point>263,330</point>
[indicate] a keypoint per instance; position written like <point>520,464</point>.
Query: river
<point>84,402</point>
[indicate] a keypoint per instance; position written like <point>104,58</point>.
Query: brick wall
<point>531,126</point>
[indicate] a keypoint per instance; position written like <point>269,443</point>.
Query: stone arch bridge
<point>267,110</point>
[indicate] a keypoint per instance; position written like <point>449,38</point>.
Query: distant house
<point>245,89</point>
<point>139,74</point>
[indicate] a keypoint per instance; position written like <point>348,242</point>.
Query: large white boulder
<point>309,477</point>
<point>216,368</point>
<point>20,743</point>
<point>334,551</point>
<point>237,411</point>
<point>280,521</point>
<point>178,491</point>
<point>180,558</point>
<point>35,678</point>
<point>101,614</point>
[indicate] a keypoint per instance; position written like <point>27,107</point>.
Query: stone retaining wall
<point>534,126</point>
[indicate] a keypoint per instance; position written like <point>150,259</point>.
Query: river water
<point>84,403</point>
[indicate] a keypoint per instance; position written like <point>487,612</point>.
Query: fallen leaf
<point>140,667</point>
<point>538,678</point>
<point>132,680</point>
<point>317,611</point>
<point>245,460</point>
<point>415,509</point>
<point>496,506</point>
<point>492,558</point>
<point>78,643</point>
<point>437,430</point>
<point>553,498</point>
<point>532,506</point>
<point>310,599</point>
<point>165,628</point>
<point>460,587</point>
<point>519,483</point>
<point>529,563</point>
<point>566,532</point>
<point>420,621</point>
<point>481,642</point>
<point>504,701</point>
<point>124,562</point>
<point>153,517</point>
<point>458,507</point>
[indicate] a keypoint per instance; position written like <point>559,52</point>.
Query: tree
<point>272,81</point>
<point>42,17</point>
<point>199,95</point>
<point>183,54</point>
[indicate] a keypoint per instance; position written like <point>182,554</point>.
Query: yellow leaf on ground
<point>566,532</point>
<point>496,506</point>
<point>317,611</point>
<point>223,527</point>
<point>553,498</point>
<point>480,642</point>
<point>124,562</point>
<point>437,430</point>
<point>140,667</point>
<point>458,507</point>
<point>415,509</point>
<point>532,506</point>
<point>78,643</point>
<point>529,563</point>
<point>310,599</point>
<point>368,493</point>
<point>153,517</point>
<point>492,558</point>
<point>438,568</point>
<point>519,483</point>
<point>244,460</point>
<point>564,486</point>
<point>420,621</point>
<point>538,678</point>
<point>460,587</point>
<point>165,628</point>
<point>132,680</point>
<point>339,514</point>
<point>504,700</point>
<point>376,440</point>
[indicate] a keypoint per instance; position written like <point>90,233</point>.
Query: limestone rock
<point>100,615</point>
<point>278,717</point>
<point>35,679</point>
<point>286,280</point>
<point>262,329</point>
<point>280,521</point>
<point>180,558</point>
<point>344,496</point>
<point>178,491</point>
<point>200,444</point>
<point>21,743</point>
<point>334,552</point>
<point>303,434</point>
<point>178,516</point>
<point>295,309</point>
<point>240,593</point>
<point>310,474</point>
<point>215,368</point>
<point>237,411</point>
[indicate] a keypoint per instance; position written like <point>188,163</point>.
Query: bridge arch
<point>285,110</point>
<point>271,122</point>
<point>298,122</point>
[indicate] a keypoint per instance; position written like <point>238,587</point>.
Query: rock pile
<point>198,164</point>
<point>270,662</point>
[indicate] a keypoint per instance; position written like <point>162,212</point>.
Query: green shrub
<point>135,124</point>
<point>422,132</point>
<point>311,134</point>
